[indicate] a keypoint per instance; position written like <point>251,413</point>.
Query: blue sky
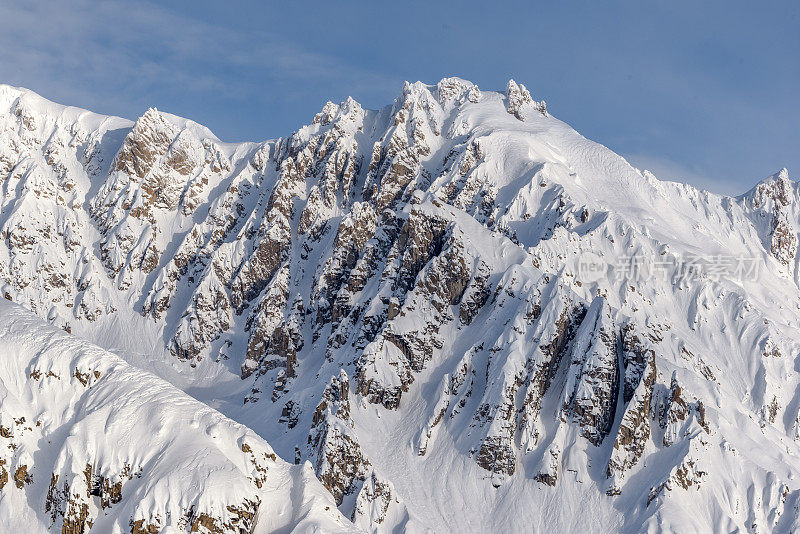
<point>704,92</point>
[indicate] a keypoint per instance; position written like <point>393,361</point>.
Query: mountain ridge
<point>389,290</point>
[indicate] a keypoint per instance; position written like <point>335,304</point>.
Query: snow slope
<point>462,313</point>
<point>94,442</point>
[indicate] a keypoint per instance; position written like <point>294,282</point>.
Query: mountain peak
<point>152,118</point>
<point>777,188</point>
<point>332,112</point>
<point>456,89</point>
<point>519,100</point>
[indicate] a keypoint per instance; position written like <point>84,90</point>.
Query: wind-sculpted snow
<point>95,444</point>
<point>460,312</point>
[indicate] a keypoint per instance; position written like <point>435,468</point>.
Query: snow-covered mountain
<point>455,311</point>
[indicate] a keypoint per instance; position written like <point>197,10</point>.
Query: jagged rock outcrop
<point>376,505</point>
<point>677,416</point>
<point>593,374</point>
<point>634,428</point>
<point>338,460</point>
<point>519,98</point>
<point>774,204</point>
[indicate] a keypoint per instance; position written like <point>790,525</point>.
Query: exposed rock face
<point>774,202</point>
<point>162,171</point>
<point>377,505</point>
<point>519,99</point>
<point>634,428</point>
<point>338,459</point>
<point>593,374</point>
<point>516,378</point>
<point>677,415</point>
<point>391,295</point>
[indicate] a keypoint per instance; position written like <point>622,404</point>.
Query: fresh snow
<point>522,198</point>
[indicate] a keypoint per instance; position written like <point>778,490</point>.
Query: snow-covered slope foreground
<point>463,314</point>
<point>90,442</point>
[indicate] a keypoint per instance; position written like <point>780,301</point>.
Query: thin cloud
<point>672,171</point>
<point>111,55</point>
